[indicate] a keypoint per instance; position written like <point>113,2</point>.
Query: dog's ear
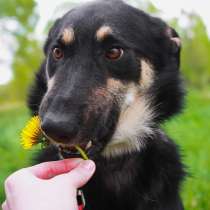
<point>165,35</point>
<point>174,37</point>
<point>165,41</point>
<point>169,87</point>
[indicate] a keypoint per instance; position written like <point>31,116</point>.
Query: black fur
<point>146,180</point>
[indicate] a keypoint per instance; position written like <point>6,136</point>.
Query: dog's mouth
<point>71,150</point>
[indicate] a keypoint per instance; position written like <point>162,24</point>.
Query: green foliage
<point>20,10</point>
<point>24,68</point>
<point>196,52</point>
<point>152,9</point>
<point>191,132</point>
<point>28,54</point>
<point>12,155</point>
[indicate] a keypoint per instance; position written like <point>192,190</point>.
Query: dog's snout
<point>58,129</point>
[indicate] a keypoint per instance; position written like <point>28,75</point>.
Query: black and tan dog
<point>110,77</point>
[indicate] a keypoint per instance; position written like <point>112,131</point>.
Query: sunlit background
<point>23,29</point>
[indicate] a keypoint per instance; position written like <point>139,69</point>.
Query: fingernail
<point>88,165</point>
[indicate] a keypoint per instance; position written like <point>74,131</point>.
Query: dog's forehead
<point>95,11</point>
<point>97,18</point>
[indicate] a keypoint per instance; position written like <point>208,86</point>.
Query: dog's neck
<point>120,147</point>
<point>135,124</point>
<point>133,128</point>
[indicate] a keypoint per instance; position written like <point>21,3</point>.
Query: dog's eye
<point>57,53</point>
<point>114,53</point>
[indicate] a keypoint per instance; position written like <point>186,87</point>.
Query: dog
<point>109,79</point>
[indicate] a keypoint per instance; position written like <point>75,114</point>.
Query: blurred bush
<point>27,53</point>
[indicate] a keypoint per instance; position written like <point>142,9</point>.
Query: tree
<point>196,52</point>
<point>28,54</point>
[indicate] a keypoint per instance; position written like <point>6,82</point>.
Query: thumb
<point>80,175</point>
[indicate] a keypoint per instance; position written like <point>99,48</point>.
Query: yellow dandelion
<point>31,134</point>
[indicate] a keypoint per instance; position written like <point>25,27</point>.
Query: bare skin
<point>50,185</point>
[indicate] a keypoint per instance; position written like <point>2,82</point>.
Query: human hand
<point>47,186</point>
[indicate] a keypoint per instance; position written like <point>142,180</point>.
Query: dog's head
<point>110,75</point>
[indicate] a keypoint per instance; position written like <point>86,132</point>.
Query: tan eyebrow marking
<point>103,32</point>
<point>68,36</point>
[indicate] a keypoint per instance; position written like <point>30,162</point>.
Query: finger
<point>80,175</point>
<point>5,206</point>
<point>48,170</point>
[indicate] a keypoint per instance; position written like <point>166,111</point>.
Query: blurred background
<point>23,29</point>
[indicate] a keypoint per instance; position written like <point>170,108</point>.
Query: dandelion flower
<point>31,134</point>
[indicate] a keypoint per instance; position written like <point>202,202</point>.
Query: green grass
<point>190,130</point>
<point>12,156</point>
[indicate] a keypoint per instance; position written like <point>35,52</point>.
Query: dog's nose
<point>60,130</point>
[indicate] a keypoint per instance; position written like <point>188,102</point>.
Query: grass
<point>190,130</point>
<point>12,155</point>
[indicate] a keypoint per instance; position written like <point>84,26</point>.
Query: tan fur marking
<point>101,93</point>
<point>134,124</point>
<point>100,96</point>
<point>68,36</point>
<point>177,40</point>
<point>116,88</point>
<point>147,74</point>
<point>103,32</point>
<point>98,101</point>
<point>114,84</point>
